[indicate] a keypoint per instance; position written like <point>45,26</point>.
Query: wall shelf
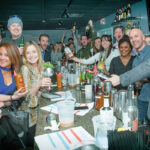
<point>125,20</point>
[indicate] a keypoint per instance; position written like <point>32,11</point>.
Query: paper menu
<point>53,108</point>
<point>64,140</point>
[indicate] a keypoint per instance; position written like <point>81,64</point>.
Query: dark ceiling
<point>58,14</point>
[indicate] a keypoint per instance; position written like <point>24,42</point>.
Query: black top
<point>118,68</point>
<point>47,55</point>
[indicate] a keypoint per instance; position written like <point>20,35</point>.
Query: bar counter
<point>84,121</point>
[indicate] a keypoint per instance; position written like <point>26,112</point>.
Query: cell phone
<point>103,76</point>
<point>81,108</point>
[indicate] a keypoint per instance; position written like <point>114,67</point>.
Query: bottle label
<point>135,125</point>
<point>106,102</point>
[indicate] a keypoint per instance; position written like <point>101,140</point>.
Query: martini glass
<point>48,72</point>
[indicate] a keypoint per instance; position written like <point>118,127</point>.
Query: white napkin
<point>53,108</point>
<point>64,96</point>
<point>64,140</point>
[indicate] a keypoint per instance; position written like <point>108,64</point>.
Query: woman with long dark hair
<point>106,54</point>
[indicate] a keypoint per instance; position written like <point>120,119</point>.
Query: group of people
<point>31,66</point>
<point>123,59</point>
<point>119,59</point>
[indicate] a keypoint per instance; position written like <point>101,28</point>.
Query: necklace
<point>6,69</point>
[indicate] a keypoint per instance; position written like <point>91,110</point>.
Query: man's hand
<point>139,84</point>
<point>115,80</point>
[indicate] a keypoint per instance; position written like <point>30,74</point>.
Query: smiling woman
<point>34,80</point>
<point>123,63</point>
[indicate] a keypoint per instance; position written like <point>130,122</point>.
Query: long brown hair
<point>107,38</point>
<point>13,55</point>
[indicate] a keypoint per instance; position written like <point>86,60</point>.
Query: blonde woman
<point>33,79</point>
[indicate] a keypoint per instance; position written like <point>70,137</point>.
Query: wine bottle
<point>128,11</point>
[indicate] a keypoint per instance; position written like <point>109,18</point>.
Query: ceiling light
<point>43,21</point>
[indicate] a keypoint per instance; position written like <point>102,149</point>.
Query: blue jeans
<point>142,108</point>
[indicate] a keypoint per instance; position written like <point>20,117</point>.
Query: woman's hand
<point>18,95</point>
<point>45,82</point>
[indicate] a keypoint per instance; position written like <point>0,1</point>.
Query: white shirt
<point>91,60</point>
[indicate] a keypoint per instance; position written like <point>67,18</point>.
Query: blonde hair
<point>40,62</point>
<point>13,55</point>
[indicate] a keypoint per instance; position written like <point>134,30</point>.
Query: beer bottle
<point>22,42</point>
<point>99,99</point>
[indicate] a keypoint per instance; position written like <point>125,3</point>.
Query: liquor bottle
<point>125,13</point>
<point>130,92</point>
<point>130,115</point>
<point>99,99</point>
<point>106,106</point>
<point>134,25</point>
<point>22,42</point>
<point>119,18</point>
<point>106,110</point>
<point>138,25</point>
<point>128,11</point>
<point>122,13</point>
<point>91,50</point>
<point>117,15</point>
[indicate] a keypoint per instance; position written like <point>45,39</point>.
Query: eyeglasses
<point>13,16</point>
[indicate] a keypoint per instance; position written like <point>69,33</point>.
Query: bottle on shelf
<point>116,15</point>
<point>119,18</point>
<point>125,13</point>
<point>128,11</point>
<point>121,14</point>
<point>134,25</point>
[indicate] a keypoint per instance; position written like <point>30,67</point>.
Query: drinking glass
<point>48,72</point>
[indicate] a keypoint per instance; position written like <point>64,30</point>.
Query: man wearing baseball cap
<point>15,26</point>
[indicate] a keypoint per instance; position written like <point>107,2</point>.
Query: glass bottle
<point>91,50</point>
<point>22,42</point>
<point>128,11</point>
<point>130,92</point>
<point>99,99</point>
<point>130,115</point>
